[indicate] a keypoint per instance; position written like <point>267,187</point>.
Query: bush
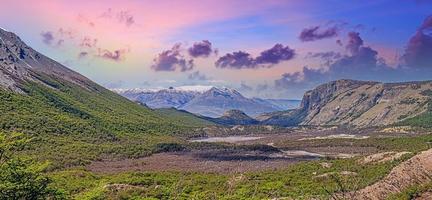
<point>22,178</point>
<point>168,147</point>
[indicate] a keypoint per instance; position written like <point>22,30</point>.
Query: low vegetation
<point>21,177</point>
<point>302,180</point>
<point>71,125</point>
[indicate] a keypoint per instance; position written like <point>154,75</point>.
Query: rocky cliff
<point>357,103</point>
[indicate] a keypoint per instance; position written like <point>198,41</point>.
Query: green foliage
<point>412,192</point>
<point>169,147</point>
<point>183,117</point>
<point>423,120</point>
<point>404,143</point>
<point>74,110</point>
<point>21,178</point>
<point>298,181</point>
<point>427,92</point>
<point>72,125</point>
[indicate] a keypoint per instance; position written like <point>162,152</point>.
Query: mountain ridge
<point>357,103</point>
<point>21,63</point>
<point>209,101</point>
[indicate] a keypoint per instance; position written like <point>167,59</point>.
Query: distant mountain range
<point>206,100</point>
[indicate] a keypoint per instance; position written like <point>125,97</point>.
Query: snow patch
<point>186,88</point>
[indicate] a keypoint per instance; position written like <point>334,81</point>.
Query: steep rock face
<point>20,63</point>
<point>357,103</point>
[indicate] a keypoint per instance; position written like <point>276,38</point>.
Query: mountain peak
<point>224,91</point>
<point>20,63</point>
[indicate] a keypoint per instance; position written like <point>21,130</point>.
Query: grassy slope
<point>423,120</point>
<point>72,125</point>
<point>182,117</point>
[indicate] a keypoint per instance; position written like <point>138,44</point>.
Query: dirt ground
<point>196,162</point>
<point>238,161</point>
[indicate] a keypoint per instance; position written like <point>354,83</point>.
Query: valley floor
<point>299,164</point>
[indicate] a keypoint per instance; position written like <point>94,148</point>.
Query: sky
<point>263,48</point>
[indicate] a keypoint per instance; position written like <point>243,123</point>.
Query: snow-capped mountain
<point>203,100</point>
<point>161,98</point>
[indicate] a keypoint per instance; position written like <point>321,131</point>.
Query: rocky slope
<point>357,103</point>
<point>20,63</point>
<point>414,171</point>
<point>280,104</point>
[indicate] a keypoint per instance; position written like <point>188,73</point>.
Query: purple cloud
<point>329,57</point>
<point>82,54</point>
<point>122,16</point>
<point>58,38</point>
<point>418,53</point>
<point>68,34</point>
<point>116,55</point>
<point>47,37</point>
<point>88,42</point>
<point>236,60</point>
<point>324,55</point>
<point>275,55</point>
<point>361,63</point>
<point>201,49</point>
<point>172,59</point>
<point>267,58</point>
<point>354,42</point>
<point>126,18</point>
<point>316,33</point>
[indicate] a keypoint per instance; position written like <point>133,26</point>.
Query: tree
<point>22,178</point>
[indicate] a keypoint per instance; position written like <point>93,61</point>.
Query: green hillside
<point>183,117</point>
<point>72,125</point>
<point>423,120</point>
